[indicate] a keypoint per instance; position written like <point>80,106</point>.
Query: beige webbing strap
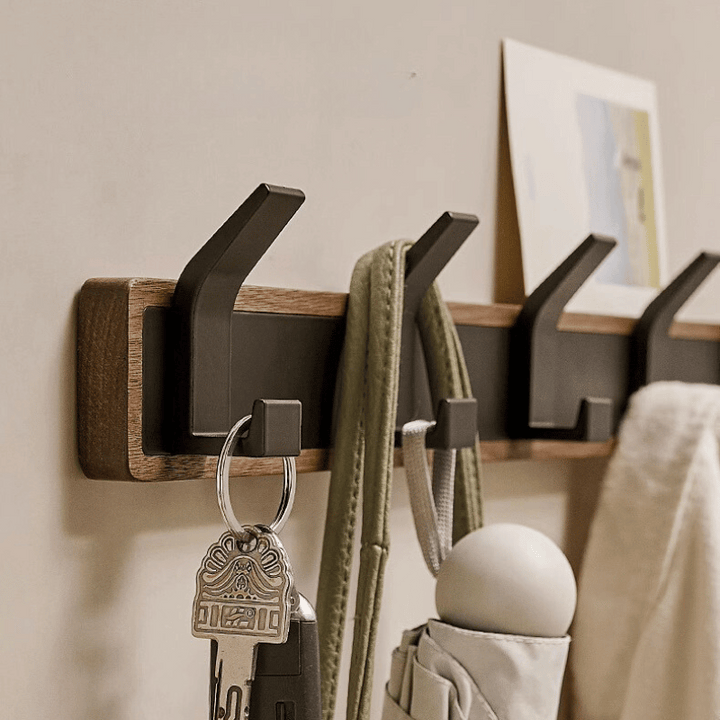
<point>449,378</point>
<point>363,460</point>
<point>431,496</point>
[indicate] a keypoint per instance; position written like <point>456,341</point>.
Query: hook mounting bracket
<point>202,311</point>
<point>456,418</point>
<point>651,348</point>
<point>534,384</point>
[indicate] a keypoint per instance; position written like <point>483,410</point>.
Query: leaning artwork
<point>585,155</point>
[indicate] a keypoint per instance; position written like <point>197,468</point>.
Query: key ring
<point>223,484</point>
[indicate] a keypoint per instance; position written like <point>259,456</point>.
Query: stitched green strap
<point>363,460</point>
<point>369,381</point>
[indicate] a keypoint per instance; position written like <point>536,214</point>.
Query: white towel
<point>647,627</point>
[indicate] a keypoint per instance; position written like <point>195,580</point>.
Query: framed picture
<point>585,156</point>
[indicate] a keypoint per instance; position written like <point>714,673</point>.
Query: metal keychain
<point>246,603</point>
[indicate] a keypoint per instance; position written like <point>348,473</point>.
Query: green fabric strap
<point>363,459</point>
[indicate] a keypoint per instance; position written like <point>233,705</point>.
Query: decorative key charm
<point>243,597</point>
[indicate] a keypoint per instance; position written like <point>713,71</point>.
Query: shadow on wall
<point>509,284</point>
<point>104,521</point>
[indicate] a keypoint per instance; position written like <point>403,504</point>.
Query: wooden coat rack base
<point>165,368</point>
<point>115,365</point>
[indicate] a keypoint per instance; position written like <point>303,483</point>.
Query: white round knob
<point>507,578</point>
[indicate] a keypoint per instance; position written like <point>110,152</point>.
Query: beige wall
<point>128,132</point>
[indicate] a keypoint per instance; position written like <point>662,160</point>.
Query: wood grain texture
<point>109,380</point>
<point>503,450</point>
<point>483,315</point>
<point>102,385</point>
<point>505,316</point>
<point>253,298</point>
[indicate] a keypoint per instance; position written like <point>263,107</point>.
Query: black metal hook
<point>203,307</point>
<point>534,355</point>
<point>650,346</point>
<point>456,419</point>
<point>274,429</point>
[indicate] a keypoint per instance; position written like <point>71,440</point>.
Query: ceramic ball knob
<point>507,578</point>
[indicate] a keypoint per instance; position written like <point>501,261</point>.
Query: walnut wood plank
<point>505,315</point>
<point>102,387</point>
<point>110,375</point>
<point>253,298</point>
<point>503,450</point>
<point>109,384</point>
<point>483,315</point>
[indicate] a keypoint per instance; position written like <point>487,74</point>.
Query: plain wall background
<point>128,132</point>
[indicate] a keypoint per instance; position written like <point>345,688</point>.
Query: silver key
<point>244,596</point>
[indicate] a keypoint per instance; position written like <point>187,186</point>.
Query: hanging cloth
<point>363,459</point>
<point>647,627</point>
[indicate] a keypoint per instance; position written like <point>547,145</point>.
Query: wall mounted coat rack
<point>164,368</point>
